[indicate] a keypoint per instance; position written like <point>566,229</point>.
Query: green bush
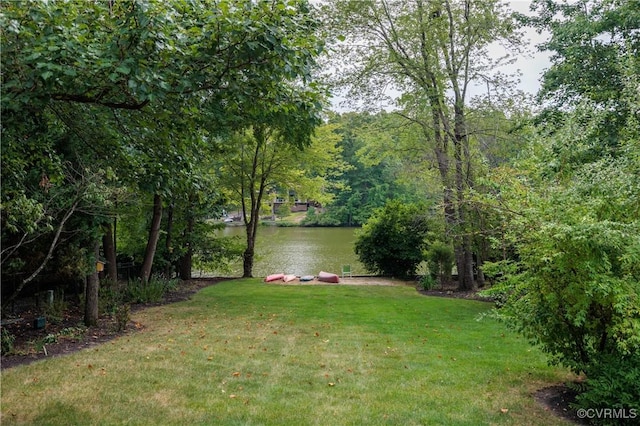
<point>393,239</point>
<point>218,253</point>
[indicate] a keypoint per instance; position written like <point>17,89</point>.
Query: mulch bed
<point>26,335</point>
<point>554,398</point>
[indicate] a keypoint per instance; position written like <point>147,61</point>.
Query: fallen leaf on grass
<point>504,410</point>
<point>236,374</point>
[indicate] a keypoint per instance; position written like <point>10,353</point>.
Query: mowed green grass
<point>248,353</point>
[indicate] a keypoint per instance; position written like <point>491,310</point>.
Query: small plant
<point>111,296</point>
<point>150,292</point>
<point>8,340</point>
<point>122,316</point>
<point>427,282</point>
<point>73,333</point>
<point>54,311</point>
<point>440,259</point>
<point>49,339</point>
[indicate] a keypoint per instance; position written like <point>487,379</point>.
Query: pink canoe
<point>328,277</point>
<point>273,277</point>
<point>288,278</point>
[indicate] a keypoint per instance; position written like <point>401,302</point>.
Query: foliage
<point>217,253</point>
<point>427,282</point>
<point>315,218</point>
<point>393,239</point>
<point>8,340</point>
<point>154,290</point>
<point>431,53</point>
<point>122,316</point>
<point>440,260</point>
<point>263,157</point>
<point>613,384</point>
<point>135,94</point>
<point>373,173</point>
<point>54,311</point>
<point>284,210</point>
<point>72,333</point>
<point>573,283</point>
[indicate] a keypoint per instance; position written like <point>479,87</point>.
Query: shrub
<point>313,218</point>
<point>427,282</point>
<point>612,384</point>
<point>218,253</point>
<point>393,239</point>
<point>574,290</point>
<point>150,292</point>
<point>122,316</point>
<point>55,311</point>
<point>8,340</point>
<point>440,259</point>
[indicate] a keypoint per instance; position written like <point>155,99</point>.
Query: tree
<point>587,39</point>
<point>148,78</point>
<point>374,171</point>
<point>392,241</point>
<point>427,50</point>
<point>572,284</point>
<point>263,159</point>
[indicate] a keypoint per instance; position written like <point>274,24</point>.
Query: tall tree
<point>431,51</point>
<point>136,69</point>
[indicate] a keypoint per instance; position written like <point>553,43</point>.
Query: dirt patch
<point>558,399</point>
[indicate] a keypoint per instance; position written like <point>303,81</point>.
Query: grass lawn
<point>248,353</point>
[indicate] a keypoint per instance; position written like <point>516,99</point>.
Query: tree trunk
<point>152,242</point>
<point>109,248</point>
<point>464,253</point>
<point>91,294</point>
<point>168,269</point>
<point>249,252</point>
<point>479,262</point>
<point>186,261</point>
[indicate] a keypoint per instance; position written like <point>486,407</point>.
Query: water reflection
<point>300,251</point>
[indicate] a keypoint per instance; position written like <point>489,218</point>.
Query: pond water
<point>299,250</point>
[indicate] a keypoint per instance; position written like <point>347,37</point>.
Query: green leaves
<point>393,239</point>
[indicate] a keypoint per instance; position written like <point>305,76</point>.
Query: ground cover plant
<point>246,352</point>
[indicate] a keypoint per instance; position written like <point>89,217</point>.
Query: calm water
<point>300,251</point>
